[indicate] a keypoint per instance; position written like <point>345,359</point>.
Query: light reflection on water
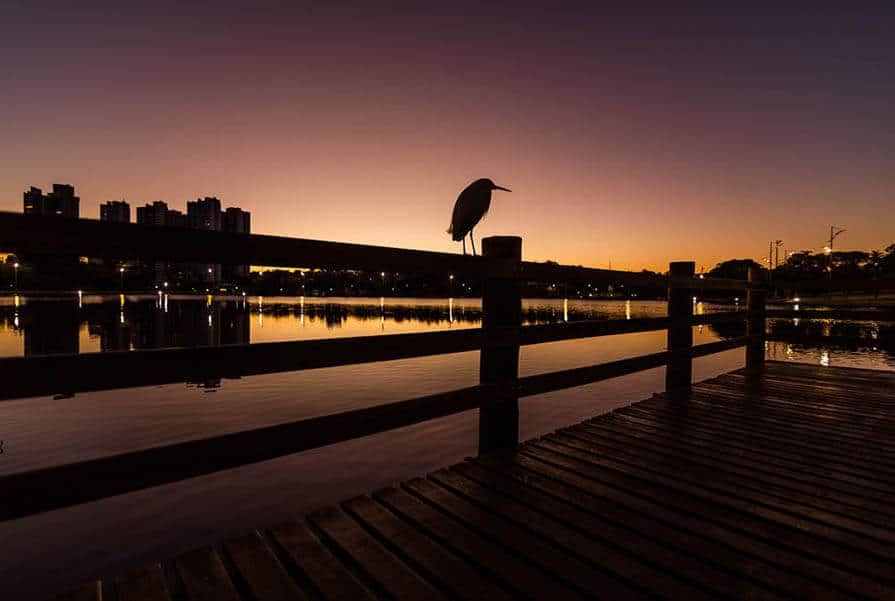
<point>127,531</point>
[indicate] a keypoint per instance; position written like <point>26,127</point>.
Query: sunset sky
<point>630,138</point>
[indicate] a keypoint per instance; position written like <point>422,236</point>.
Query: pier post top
<point>502,247</point>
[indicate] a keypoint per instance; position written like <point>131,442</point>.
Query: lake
<point>117,534</point>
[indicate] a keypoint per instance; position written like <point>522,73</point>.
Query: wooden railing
<point>498,340</point>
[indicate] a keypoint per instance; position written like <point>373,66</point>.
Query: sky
<point>630,138</point>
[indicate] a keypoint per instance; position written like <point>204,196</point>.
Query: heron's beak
<point>501,188</point>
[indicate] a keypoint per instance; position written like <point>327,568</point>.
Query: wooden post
<point>679,371</point>
<point>499,362</point>
<point>755,305</point>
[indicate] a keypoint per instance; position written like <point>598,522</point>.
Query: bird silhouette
<point>471,206</point>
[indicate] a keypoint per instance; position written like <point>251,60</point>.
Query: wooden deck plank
<point>92,591</point>
<point>760,473</point>
<point>829,417</point>
<point>264,576</point>
<point>768,437</point>
<point>736,404</point>
<point>759,487</point>
<point>146,585</point>
<point>204,577</point>
<point>329,576</point>
<point>576,571</point>
<point>752,457</point>
<point>731,480</point>
<point>600,516</point>
<point>562,467</point>
<point>594,496</point>
<point>774,448</point>
<point>455,575</point>
<point>514,573</point>
<point>659,567</point>
<point>821,526</point>
<point>395,577</point>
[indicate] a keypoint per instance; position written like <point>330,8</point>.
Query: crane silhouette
<point>471,206</point>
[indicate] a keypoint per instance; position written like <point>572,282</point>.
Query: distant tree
<point>887,263</point>
<point>850,263</point>
<point>736,269</point>
<point>874,263</point>
<point>802,265</point>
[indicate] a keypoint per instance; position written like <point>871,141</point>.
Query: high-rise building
<point>153,214</point>
<point>61,202</point>
<point>204,213</point>
<point>158,214</point>
<point>201,214</point>
<point>176,218</point>
<point>236,220</point>
<point>33,201</point>
<point>115,210</point>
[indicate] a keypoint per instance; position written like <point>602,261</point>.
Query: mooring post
<point>679,371</point>
<point>499,362</point>
<point>755,324</point>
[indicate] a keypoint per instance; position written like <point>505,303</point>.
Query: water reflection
<point>92,323</point>
<point>79,323</point>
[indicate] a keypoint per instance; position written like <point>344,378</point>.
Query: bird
<point>471,206</point>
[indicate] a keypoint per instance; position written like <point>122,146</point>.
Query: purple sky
<point>631,138</point>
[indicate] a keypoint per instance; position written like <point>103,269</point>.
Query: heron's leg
<point>464,245</point>
<point>472,240</point>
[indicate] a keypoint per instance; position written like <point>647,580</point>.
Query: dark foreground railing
<point>499,340</point>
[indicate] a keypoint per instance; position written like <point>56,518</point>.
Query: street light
<point>121,272</point>
<point>835,231</point>
<point>15,271</point>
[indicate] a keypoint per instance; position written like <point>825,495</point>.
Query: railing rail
<point>39,490</point>
<point>499,341</point>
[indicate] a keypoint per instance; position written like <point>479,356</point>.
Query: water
<point>120,533</point>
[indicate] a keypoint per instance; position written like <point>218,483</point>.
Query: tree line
<point>811,265</point>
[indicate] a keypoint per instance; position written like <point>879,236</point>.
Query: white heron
<point>471,206</point>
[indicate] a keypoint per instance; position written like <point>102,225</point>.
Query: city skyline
<point>235,219</point>
<point>627,138</point>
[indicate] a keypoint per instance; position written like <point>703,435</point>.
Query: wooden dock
<point>771,487</point>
